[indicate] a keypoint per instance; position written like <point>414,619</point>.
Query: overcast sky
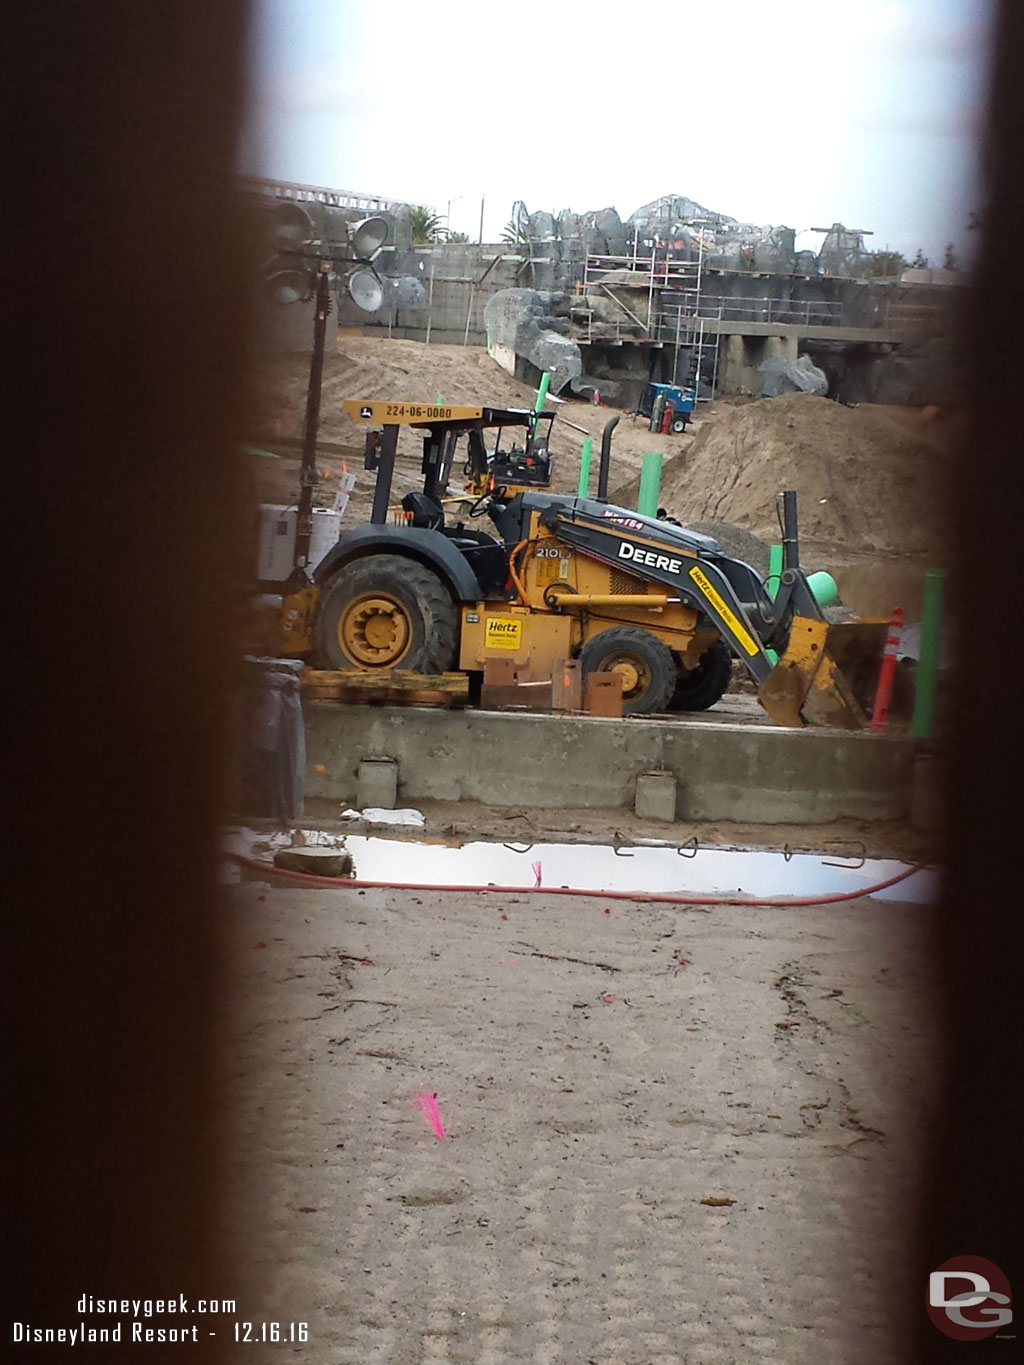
<point>797,112</point>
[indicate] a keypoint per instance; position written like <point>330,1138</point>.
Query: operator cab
<point>485,555</point>
<point>521,466</point>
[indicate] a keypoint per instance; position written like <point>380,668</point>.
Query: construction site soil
<point>663,1134</point>
<point>871,480</point>
<point>409,371</point>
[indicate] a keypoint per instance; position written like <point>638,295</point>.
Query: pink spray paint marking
<point>536,872</point>
<point>427,1101</point>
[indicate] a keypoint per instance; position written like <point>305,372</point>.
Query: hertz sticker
<point>503,632</point>
<point>724,610</point>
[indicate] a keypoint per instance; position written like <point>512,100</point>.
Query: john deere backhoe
<point>538,577</point>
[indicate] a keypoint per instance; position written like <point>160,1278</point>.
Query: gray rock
<point>316,862</point>
<point>519,321</point>
<point>792,376</point>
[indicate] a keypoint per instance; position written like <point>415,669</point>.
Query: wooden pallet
<point>397,688</point>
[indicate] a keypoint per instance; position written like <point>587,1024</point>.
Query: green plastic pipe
<point>650,484</point>
<point>927,672</point>
<point>824,587</point>
<point>774,569</point>
<point>772,585</point>
<point>542,393</point>
<point>584,488</point>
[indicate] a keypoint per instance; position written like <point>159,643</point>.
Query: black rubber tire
<point>699,688</point>
<point>430,614</point>
<point>640,647</point>
<point>679,425</point>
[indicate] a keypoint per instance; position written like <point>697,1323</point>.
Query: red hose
<point>659,897</point>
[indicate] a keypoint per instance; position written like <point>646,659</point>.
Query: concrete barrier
<point>748,773</point>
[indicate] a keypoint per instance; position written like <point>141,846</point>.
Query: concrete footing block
<point>750,773</point>
<point>377,784</point>
<point>656,796</point>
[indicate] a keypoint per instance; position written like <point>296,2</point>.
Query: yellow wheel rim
<point>375,632</point>
<point>636,676</point>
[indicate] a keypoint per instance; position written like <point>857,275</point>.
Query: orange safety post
<point>887,674</point>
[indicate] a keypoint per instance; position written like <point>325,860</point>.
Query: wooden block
<point>400,687</point>
<point>397,678</point>
<point>499,672</point>
<point>567,685</point>
<point>604,695</point>
<point>530,696</point>
<point>430,696</point>
<point>400,680</point>
<point>496,697</point>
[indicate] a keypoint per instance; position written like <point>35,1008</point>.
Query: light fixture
<point>367,236</point>
<point>366,290</point>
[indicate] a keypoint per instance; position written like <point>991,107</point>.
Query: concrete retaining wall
<point>749,773</point>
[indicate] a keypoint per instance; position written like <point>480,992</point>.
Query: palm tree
<point>426,226</point>
<point>887,262</point>
<point>516,231</point>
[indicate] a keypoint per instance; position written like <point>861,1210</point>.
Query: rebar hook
<point>825,862</point>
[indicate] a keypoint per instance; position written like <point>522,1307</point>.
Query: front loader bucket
<point>827,675</point>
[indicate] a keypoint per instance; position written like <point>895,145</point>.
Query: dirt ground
<point>599,1076</point>
<point>371,367</point>
<point>365,367</point>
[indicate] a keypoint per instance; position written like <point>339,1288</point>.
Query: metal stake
<point>307,470</point>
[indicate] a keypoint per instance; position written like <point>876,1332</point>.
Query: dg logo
<point>969,1298</point>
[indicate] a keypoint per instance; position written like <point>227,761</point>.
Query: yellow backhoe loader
<point>556,576</point>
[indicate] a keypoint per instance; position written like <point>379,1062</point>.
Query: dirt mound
<point>868,478</point>
<point>735,542</point>
<point>363,367</point>
<point>378,367</point>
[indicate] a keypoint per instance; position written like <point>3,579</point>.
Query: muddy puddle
<point>687,869</point>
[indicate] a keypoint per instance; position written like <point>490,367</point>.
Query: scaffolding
<point>664,307</point>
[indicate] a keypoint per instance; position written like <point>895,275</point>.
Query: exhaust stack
<point>606,460</point>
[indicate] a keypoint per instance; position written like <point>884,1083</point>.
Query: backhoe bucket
<point>827,676</point>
